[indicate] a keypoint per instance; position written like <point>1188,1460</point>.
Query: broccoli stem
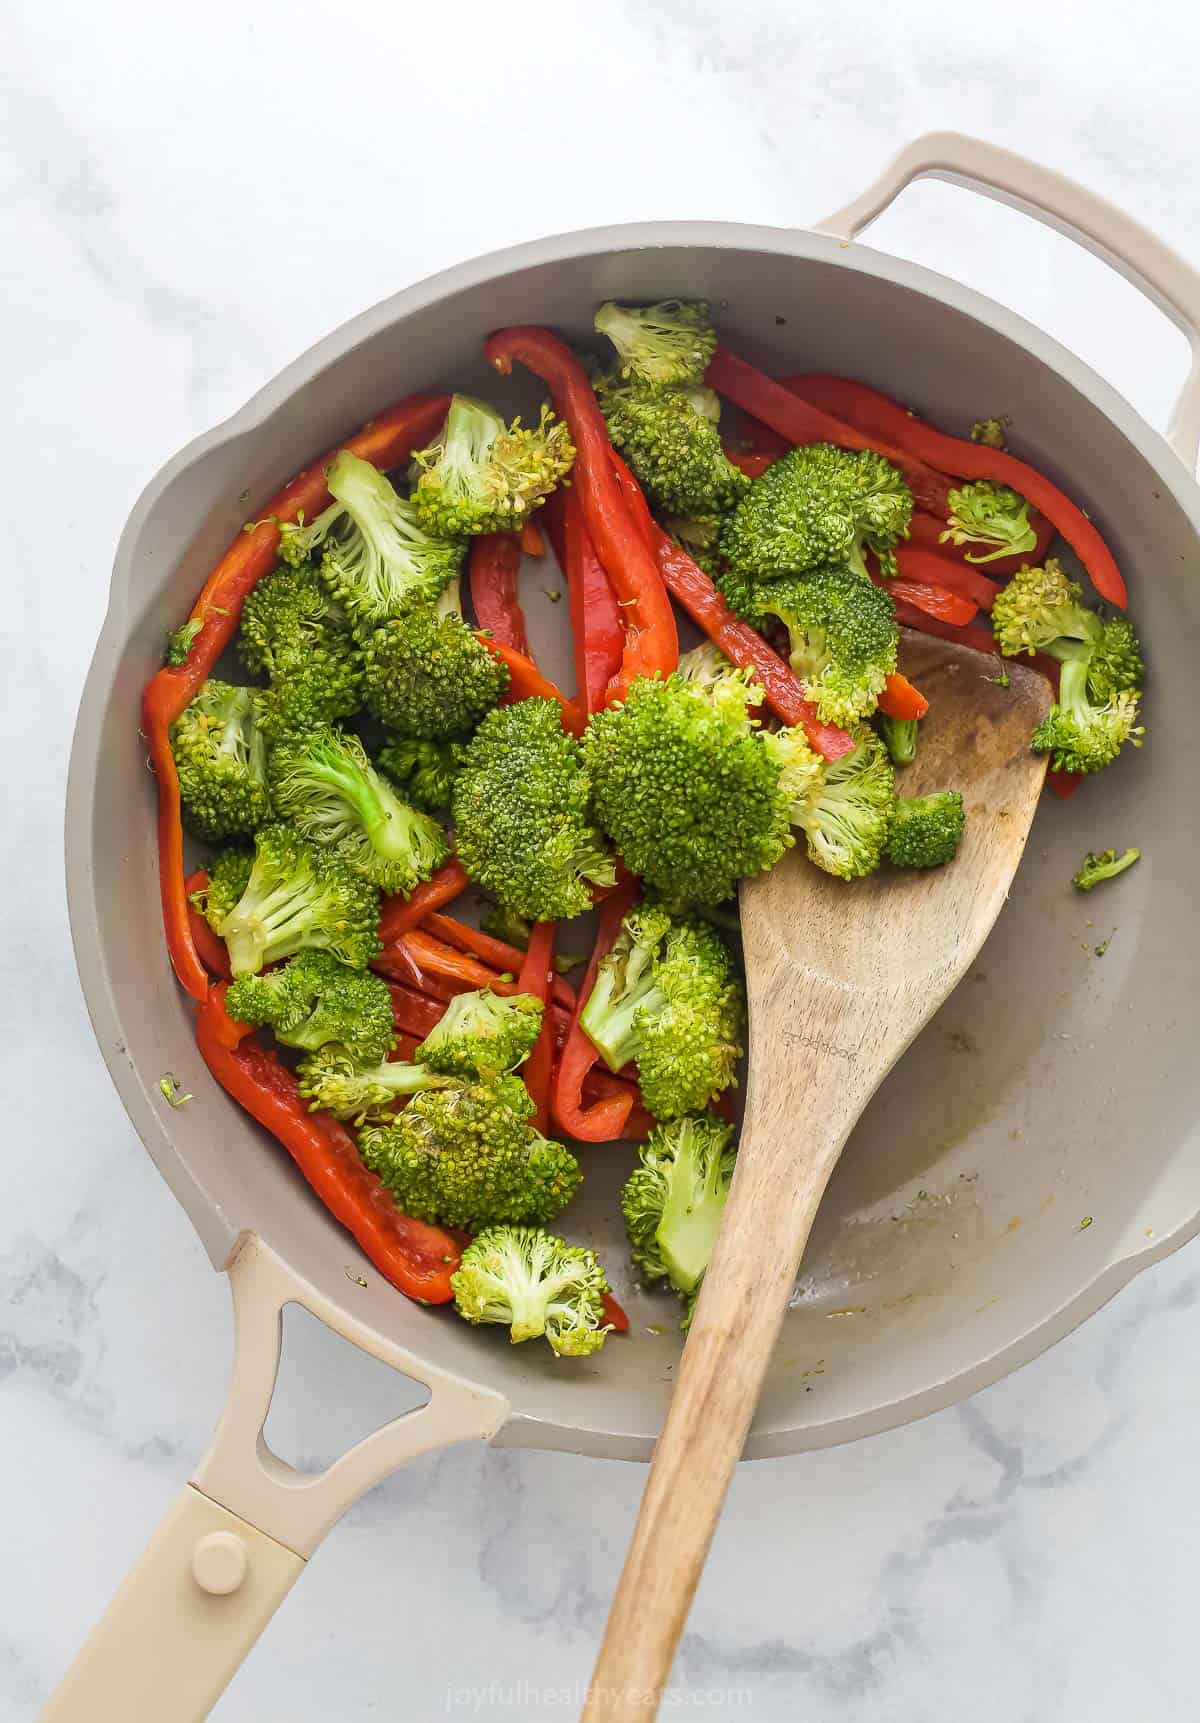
<point>900,738</point>
<point>691,1217</point>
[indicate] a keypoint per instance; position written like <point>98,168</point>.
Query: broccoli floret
<point>325,785</point>
<point>801,771</point>
<point>332,1081</point>
<point>848,812</point>
<point>842,637</point>
<point>990,514</point>
<point>313,1000</point>
<point>425,771</point>
<point>522,818</point>
<point>228,877</point>
<point>700,536</point>
<point>300,897</point>
<point>816,506</point>
<point>467,1156</point>
<point>991,432</point>
<point>481,475</point>
<point>926,830</point>
<point>1085,732</point>
<point>429,678</point>
<point>667,998</point>
<point>668,343</point>
<point>536,1284</point>
<point>1039,606</point>
<point>1116,661</point>
<point>899,737</point>
<point>483,1034</point>
<point>1107,865</point>
<point>685,789</point>
<point>673,445</point>
<point>292,632</point>
<point>221,758</point>
<point>674,1201</point>
<point>181,640</point>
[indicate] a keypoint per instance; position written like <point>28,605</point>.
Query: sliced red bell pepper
<point>415,1257</point>
<point>537,974</point>
<point>614,1315</point>
<point>967,460</point>
<point>497,953</point>
<point>752,462</point>
<point>651,637</point>
<point>900,699</point>
<point>931,568</point>
<point>799,422</point>
<point>495,566</point>
<point>1064,784</point>
<point>398,914</point>
<point>604,1121</point>
<point>601,1083</point>
<point>595,615</point>
<point>526,682</point>
<point>386,441</point>
<point>211,951</point>
<point>531,540</point>
<point>933,600</point>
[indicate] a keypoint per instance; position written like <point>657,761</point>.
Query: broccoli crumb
<point>170,1086</point>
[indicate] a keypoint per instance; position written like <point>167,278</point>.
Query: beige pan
<point>1053,1088</point>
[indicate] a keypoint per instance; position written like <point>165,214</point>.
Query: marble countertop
<point>184,205</point>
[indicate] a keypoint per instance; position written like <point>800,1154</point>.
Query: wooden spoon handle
<point>776,1189</point>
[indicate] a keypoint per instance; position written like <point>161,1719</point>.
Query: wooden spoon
<point>840,979</point>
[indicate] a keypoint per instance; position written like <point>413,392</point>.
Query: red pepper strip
<point>926,534</point>
<point>756,393</point>
<point>687,582</point>
<point>595,614</point>
<point>914,562</point>
<point>386,441</point>
<point>413,1012</point>
<point>967,460</point>
<point>752,462</point>
<point>603,1121</point>
<point>531,540</point>
<point>614,1315</point>
<point>651,637</point>
<point>210,950</point>
<point>495,952</point>
<point>601,1083</point>
<point>420,997</point>
<point>535,978</point>
<point>763,440</point>
<point>495,565</point>
<point>976,634</point>
<point>1064,784</point>
<point>398,914</point>
<point>900,699</point>
<point>933,600</point>
<point>417,1258</point>
<point>526,682</point>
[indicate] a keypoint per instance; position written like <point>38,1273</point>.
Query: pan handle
<point>238,1536</point>
<point>1160,273</point>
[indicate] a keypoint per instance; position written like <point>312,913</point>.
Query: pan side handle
<point>1159,272</point>
<point>238,1536</point>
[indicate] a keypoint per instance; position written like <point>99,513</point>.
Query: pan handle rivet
<point>219,1563</point>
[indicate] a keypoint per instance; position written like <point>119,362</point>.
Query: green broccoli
<point>228,877</point>
<point>815,506</point>
<point>333,1081</point>
<point>293,633</point>
<point>522,819</point>
<point>844,807</point>
<point>1107,865</point>
<point>668,343</point>
<point>181,640</point>
<point>685,788</point>
<point>1085,731</point>
<point>429,678</point>
<point>481,475</point>
<point>1039,606</point>
<point>674,1201</point>
<point>535,1284</point>
<point>842,637</point>
<point>926,830</point>
<point>483,1034</point>
<point>1116,663</point>
<point>221,758</point>
<point>378,558</point>
<point>313,1000</point>
<point>425,771</point>
<point>324,784</point>
<point>700,536</point>
<point>300,897</point>
<point>990,514</point>
<point>900,736</point>
<point>991,432</point>
<point>667,998</point>
<point>671,441</point>
<point>468,1157</point>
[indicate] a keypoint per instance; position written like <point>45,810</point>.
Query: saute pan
<point>1035,1149</point>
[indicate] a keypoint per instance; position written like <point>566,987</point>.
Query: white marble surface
<point>187,200</point>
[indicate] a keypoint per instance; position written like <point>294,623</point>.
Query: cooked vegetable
<point>815,506</point>
<point>522,817</point>
<point>313,1000</point>
<point>668,343</point>
<point>483,1034</point>
<point>425,771</point>
<point>842,638</point>
<point>843,807</point>
<point>429,678</point>
<point>297,636</point>
<point>324,784</point>
<point>300,897</point>
<point>228,876</point>
<point>990,514</point>
<point>670,439</point>
<point>181,640</point>
<point>667,998</point>
<point>495,589</point>
<point>333,1081</point>
<point>480,475</point>
<point>926,830</point>
<point>221,758</point>
<point>468,1157</point>
<point>1085,731</point>
<point>535,1284</point>
<point>900,737</point>
<point>1107,865</point>
<point>674,1201</point>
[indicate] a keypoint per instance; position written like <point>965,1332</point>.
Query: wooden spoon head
<point>838,962</point>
